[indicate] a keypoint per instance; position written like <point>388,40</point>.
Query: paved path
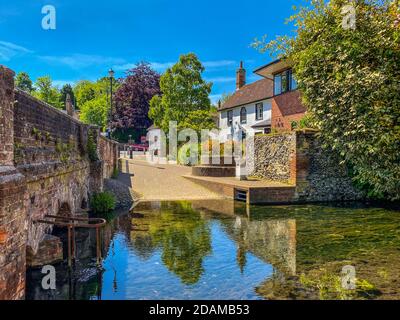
<point>162,182</point>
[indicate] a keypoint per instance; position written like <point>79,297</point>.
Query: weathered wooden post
<point>12,191</point>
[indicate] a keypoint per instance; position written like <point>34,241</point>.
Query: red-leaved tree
<point>133,97</point>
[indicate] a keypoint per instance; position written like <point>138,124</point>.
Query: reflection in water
<point>227,250</point>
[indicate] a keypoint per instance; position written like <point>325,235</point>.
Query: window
<point>243,116</point>
<point>230,118</point>
<point>293,82</point>
<point>277,84</point>
<point>259,111</point>
<point>284,82</point>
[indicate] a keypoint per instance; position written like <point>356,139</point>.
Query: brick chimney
<point>240,76</point>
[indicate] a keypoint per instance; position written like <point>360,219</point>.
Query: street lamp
<point>111,74</point>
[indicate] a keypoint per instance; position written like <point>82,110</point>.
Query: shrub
<point>102,202</point>
<point>92,148</point>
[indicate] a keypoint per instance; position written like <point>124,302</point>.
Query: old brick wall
<point>12,191</point>
<point>45,168</point>
<point>297,158</point>
<point>109,152</point>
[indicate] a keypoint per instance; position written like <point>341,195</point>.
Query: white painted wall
<point>225,130</point>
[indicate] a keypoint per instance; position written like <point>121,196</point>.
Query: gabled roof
<point>257,91</point>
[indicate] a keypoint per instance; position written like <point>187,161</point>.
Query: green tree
<point>183,91</point>
<point>199,120</point>
<point>46,92</point>
<point>84,91</point>
<point>349,79</point>
<point>24,82</point>
<point>95,111</point>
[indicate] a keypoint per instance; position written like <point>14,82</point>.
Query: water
<point>227,250</point>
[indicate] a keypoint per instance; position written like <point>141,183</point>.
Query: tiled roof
<point>259,90</point>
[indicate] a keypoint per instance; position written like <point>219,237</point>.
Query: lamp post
<point>111,73</point>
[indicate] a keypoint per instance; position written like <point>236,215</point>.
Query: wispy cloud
<point>61,83</point>
<point>215,97</point>
<point>9,50</point>
<point>221,79</point>
<point>77,61</point>
<point>158,66</point>
<point>218,63</point>
<point>162,66</point>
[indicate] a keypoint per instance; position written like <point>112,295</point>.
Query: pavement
<point>161,182</point>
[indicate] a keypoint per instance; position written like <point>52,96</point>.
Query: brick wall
<point>44,167</point>
<point>12,191</point>
<point>286,108</point>
<point>109,151</point>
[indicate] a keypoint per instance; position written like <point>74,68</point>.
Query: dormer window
<point>243,116</point>
<point>284,82</point>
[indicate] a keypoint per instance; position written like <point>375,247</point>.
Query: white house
<point>249,107</point>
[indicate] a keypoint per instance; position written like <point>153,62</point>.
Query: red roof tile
<point>259,90</point>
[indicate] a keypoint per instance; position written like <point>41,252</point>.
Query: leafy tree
<point>65,90</point>
<point>183,91</point>
<point>132,99</point>
<point>24,82</point>
<point>84,91</point>
<point>349,79</point>
<point>46,92</point>
<point>95,111</point>
<point>199,120</point>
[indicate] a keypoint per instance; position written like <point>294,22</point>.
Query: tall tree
<point>95,111</point>
<point>24,82</point>
<point>46,92</point>
<point>84,91</point>
<point>132,99</point>
<point>183,91</point>
<point>349,75</point>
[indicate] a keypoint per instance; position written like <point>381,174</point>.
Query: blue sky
<point>92,36</point>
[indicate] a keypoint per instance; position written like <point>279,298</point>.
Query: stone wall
<point>273,156</point>
<point>45,169</point>
<point>298,159</point>
<point>318,174</point>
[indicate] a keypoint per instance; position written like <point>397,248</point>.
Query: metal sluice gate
<point>71,223</point>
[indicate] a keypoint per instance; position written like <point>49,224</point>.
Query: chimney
<point>69,106</point>
<point>240,76</point>
<point>219,104</point>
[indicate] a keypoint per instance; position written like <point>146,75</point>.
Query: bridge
<point>50,164</point>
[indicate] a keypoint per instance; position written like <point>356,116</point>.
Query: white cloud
<point>9,50</point>
<point>61,83</point>
<point>162,66</point>
<point>218,63</point>
<point>158,66</point>
<point>77,61</point>
<point>215,97</point>
<point>221,79</point>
